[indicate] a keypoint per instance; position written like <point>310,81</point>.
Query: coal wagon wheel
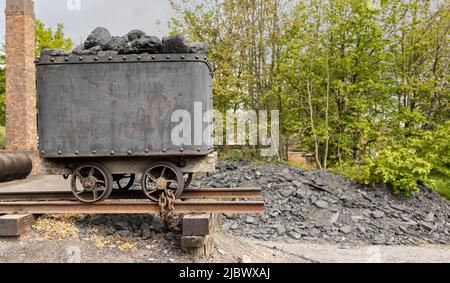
<point>91,183</point>
<point>188,179</point>
<point>123,182</point>
<point>160,177</point>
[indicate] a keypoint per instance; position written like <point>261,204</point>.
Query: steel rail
<point>130,207</point>
<point>203,193</point>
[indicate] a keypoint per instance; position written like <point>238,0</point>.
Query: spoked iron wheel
<point>188,179</point>
<point>91,183</point>
<point>123,182</point>
<point>160,177</point>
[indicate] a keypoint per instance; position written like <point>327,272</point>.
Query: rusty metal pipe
<point>14,166</point>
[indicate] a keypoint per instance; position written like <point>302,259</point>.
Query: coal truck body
<point>105,120</point>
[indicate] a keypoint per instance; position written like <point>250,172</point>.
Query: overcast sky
<point>119,16</point>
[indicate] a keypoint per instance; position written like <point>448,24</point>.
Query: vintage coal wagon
<point>105,121</point>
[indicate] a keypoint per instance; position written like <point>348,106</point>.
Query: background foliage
<point>365,89</point>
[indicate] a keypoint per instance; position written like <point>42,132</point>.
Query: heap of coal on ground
<point>322,207</point>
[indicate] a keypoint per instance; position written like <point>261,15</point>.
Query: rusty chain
<point>167,206</point>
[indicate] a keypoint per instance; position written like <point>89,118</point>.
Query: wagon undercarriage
<point>94,179</point>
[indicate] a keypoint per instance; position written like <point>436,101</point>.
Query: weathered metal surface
<point>14,166</point>
<point>121,105</point>
<point>131,207</point>
<point>127,165</point>
<point>202,193</point>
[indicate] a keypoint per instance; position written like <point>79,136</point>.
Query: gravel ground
<point>324,208</point>
<point>110,239</point>
<point>311,217</point>
<point>86,240</point>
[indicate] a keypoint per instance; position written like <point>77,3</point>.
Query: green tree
<point>47,38</point>
<point>355,85</point>
<point>244,39</point>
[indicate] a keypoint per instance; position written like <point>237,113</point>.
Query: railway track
<point>206,200</point>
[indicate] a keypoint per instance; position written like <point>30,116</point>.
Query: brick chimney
<point>21,120</point>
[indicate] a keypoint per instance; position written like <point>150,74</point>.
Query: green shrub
<point>402,168</point>
<point>440,186</point>
<point>357,173</point>
<point>2,137</point>
<point>434,146</point>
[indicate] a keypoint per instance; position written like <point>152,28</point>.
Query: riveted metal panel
<point>119,106</point>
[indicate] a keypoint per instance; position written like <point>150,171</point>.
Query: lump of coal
<point>147,44</point>
<point>175,44</point>
<point>135,34</point>
<point>79,50</point>
<point>116,43</point>
<point>52,52</point>
<point>128,49</point>
<point>199,48</point>
<point>99,37</point>
<point>92,51</point>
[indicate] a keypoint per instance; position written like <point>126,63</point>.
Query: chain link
<point>167,206</point>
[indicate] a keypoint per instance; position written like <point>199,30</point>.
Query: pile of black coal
<point>101,43</point>
<point>323,207</point>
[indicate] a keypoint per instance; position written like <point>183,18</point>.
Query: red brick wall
<point>21,124</point>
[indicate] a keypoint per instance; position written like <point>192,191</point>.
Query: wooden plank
<point>15,225</point>
<point>197,224</point>
<point>193,241</point>
<point>198,246</point>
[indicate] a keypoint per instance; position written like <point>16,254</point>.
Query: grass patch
<point>442,187</point>
<point>2,137</point>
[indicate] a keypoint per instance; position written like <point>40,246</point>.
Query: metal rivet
<point>77,152</point>
<point>130,152</point>
<point>53,59</point>
<point>139,57</point>
<point>42,152</point>
<point>168,57</point>
<point>182,57</point>
<point>199,149</point>
<point>81,58</point>
<point>164,150</point>
<point>59,152</point>
<point>153,57</point>
<point>66,59</point>
<point>110,58</point>
<point>181,149</point>
<point>206,58</point>
<point>96,58</point>
<point>197,57</point>
<point>147,150</point>
<point>94,152</point>
<point>124,57</point>
<point>112,152</point>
